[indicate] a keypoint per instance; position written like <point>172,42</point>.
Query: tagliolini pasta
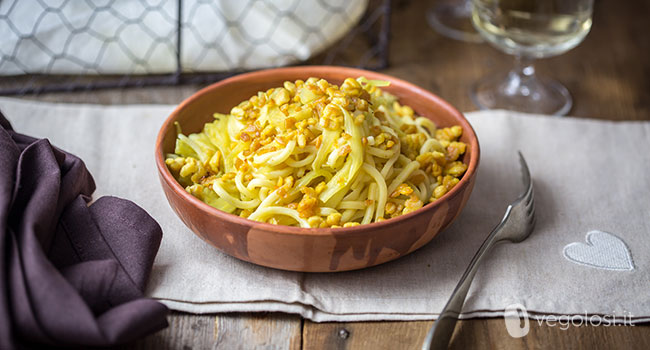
<point>313,154</point>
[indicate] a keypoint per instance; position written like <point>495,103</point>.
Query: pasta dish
<point>314,154</point>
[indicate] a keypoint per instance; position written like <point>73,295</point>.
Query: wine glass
<point>453,19</point>
<point>528,29</point>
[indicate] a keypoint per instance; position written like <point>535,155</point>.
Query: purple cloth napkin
<point>72,274</point>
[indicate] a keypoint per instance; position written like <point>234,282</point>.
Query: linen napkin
<point>72,274</point>
<point>589,254</point>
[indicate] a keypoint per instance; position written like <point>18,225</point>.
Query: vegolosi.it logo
<point>518,321</point>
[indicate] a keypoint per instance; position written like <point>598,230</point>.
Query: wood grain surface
<point>609,78</point>
<point>227,331</point>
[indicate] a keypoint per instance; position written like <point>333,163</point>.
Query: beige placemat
<point>591,179</point>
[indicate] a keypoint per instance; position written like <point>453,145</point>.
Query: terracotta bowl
<point>320,249</point>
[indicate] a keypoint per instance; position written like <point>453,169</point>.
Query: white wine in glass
<point>528,29</point>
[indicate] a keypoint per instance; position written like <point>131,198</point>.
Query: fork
<point>517,224</point>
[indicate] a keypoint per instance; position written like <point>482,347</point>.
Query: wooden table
<point>609,78</point>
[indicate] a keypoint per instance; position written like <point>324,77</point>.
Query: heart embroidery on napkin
<point>603,250</point>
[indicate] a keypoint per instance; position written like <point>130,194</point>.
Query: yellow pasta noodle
<point>314,154</point>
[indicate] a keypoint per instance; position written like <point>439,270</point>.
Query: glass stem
<point>521,79</point>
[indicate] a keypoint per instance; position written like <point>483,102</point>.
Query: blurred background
<point>51,46</point>
<point>163,51</point>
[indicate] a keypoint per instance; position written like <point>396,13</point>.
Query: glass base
<point>453,19</point>
<point>527,94</point>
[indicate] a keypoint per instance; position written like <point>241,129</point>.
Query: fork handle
<point>443,328</point>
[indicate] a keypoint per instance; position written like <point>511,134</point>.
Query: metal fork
<point>517,224</point>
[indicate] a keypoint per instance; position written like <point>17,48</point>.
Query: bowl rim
<point>167,176</point>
